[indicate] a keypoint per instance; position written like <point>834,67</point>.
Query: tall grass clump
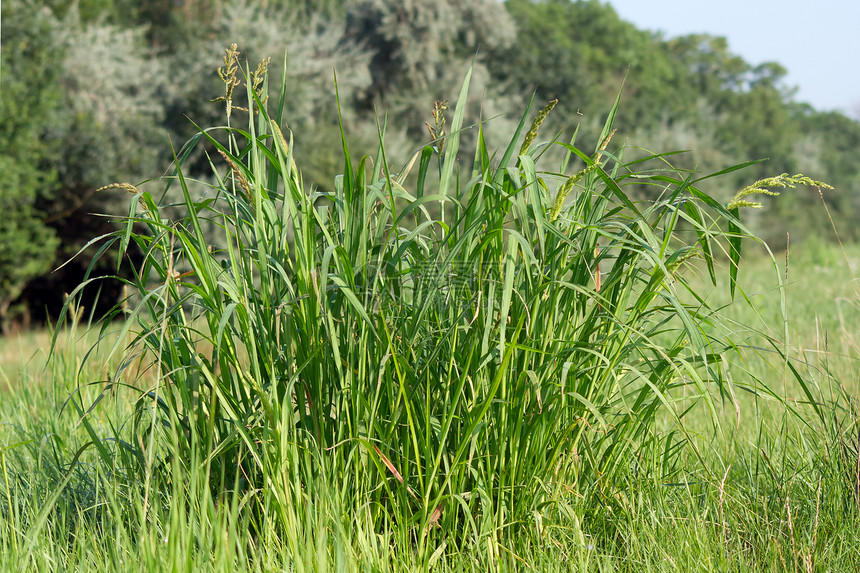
<point>417,362</point>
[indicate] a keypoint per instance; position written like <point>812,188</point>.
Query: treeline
<point>93,90</point>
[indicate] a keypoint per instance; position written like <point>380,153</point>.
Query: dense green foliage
<point>28,244</point>
<point>715,522</point>
<point>492,348</point>
<point>426,368</point>
<point>484,352</point>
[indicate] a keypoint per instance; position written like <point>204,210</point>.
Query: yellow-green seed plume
<point>533,130</point>
<point>565,190</point>
<point>760,187</point>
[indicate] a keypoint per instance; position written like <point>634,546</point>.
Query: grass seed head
<point>606,141</point>
<point>533,130</point>
<point>565,190</point>
<point>240,177</point>
<point>127,187</point>
<point>760,187</point>
<point>280,135</point>
<point>229,76</point>
<point>257,77</point>
<point>437,129</point>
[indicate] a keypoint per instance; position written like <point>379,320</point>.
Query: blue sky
<point>817,42</point>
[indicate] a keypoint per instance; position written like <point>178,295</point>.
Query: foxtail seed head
<point>240,177</point>
<point>533,130</point>
<point>607,140</point>
<point>565,190</point>
<point>127,187</point>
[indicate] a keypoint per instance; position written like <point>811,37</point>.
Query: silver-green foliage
<point>117,94</point>
<point>418,40</point>
<point>420,50</point>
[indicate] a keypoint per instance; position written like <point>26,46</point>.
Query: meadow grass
<point>739,523</point>
<point>425,369</point>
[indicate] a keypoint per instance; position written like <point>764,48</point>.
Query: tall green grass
<point>417,368</point>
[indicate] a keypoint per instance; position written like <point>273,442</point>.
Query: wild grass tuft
<point>356,381</point>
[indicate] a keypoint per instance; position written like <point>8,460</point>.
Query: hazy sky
<point>818,42</point>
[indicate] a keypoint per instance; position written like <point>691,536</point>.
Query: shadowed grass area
<point>425,369</point>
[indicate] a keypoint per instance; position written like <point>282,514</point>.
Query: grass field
<point>422,369</point>
<point>770,495</point>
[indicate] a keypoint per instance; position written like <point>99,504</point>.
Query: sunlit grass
<point>515,367</point>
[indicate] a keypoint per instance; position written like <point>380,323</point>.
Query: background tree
<point>30,102</point>
<point>420,50</point>
<point>84,104</point>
